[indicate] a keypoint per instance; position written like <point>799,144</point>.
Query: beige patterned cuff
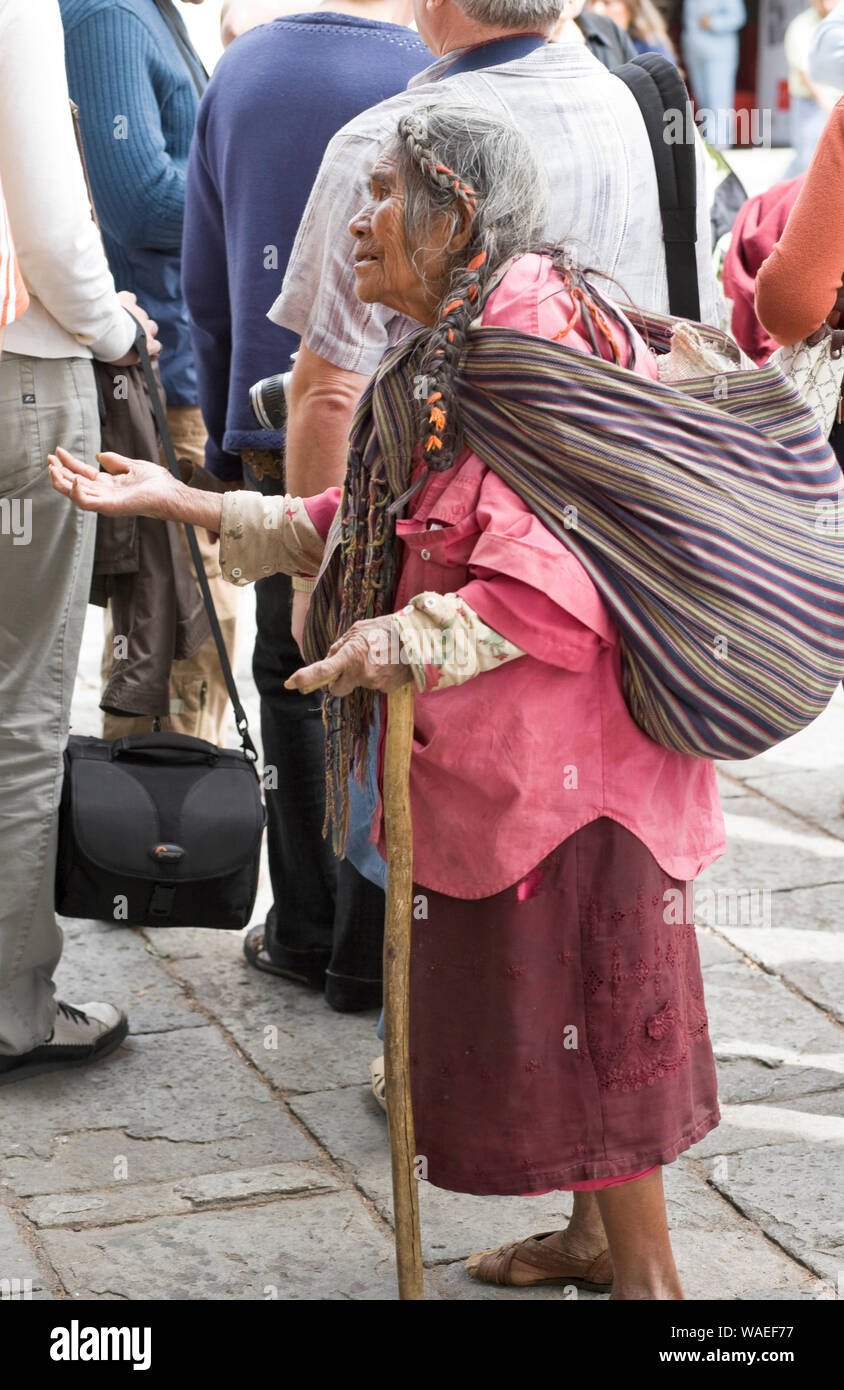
<point>261,535</point>
<point>446,643</point>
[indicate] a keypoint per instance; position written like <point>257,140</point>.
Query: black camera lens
<point>268,399</point>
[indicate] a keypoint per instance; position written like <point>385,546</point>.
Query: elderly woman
<point>558,1032</point>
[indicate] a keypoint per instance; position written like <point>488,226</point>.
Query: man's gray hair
<point>513,14</point>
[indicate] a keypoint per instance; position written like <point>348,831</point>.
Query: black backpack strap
<point>658,87</point>
<point>202,579</point>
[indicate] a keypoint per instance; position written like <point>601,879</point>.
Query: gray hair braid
<point>451,155</point>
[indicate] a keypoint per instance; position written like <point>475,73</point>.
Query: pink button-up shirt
<point>510,764</point>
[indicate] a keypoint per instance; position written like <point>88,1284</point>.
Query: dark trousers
<point>326,917</point>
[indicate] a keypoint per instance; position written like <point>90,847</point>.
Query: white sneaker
<point>80,1034</point>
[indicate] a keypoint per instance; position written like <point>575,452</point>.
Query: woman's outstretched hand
<point>369,654</point>
<point>128,487</point>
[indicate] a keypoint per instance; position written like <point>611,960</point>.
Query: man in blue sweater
<point>275,99</point>
<point>137,81</point>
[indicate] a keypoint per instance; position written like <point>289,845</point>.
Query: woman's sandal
<point>493,1266</point>
<point>379,1081</point>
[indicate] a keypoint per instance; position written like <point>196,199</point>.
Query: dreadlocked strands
<point>358,579</point>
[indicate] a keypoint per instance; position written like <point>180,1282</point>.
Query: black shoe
<point>349,996</point>
<point>302,967</point>
<point>79,1036</point>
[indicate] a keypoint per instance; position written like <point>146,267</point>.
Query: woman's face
<point>616,10</point>
<point>386,269</point>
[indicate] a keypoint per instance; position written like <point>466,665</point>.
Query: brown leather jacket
<point>142,567</point>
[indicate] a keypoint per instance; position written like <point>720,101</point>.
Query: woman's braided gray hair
<point>449,155</point>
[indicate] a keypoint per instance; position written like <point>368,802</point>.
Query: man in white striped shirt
<point>592,139</point>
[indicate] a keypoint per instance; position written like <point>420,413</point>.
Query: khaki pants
<point>46,554</point>
<point>199,700</point>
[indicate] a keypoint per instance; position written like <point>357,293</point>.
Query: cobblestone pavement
<point>231,1148</point>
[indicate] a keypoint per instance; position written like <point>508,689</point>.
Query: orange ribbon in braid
<point>462,190</point>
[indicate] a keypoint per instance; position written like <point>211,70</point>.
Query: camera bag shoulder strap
<point>658,87</point>
<point>160,418</point>
<point>202,579</point>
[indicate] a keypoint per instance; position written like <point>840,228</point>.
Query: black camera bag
<point>159,830</point>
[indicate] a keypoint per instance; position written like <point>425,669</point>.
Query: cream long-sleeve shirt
<point>74,309</point>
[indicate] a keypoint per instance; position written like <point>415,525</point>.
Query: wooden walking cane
<point>399,835</point>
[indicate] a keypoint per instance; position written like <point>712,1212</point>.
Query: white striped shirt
<point>590,135</point>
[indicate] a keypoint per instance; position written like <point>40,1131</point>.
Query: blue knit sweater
<point>137,96</point>
<point>274,101</point>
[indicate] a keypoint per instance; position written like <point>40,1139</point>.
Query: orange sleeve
<point>797,285</point>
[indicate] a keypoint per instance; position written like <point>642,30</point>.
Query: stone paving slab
<point>113,962</point>
<point>85,1161</point>
<point>16,1260</point>
<point>816,797</point>
<point>813,962</point>
<point>727,787</point>
<point>713,950</point>
<point>803,942</point>
<point>817,910</point>
<point>794,1193</point>
<point>185,1086</point>
<point>742,1080</point>
<point>311,1048</point>
<point>753,1014</point>
<point>323,1247</point>
<point>770,849</point>
<point>178,943</point>
<point>819,1118</point>
<point>350,1125</point>
<point>123,1202</point>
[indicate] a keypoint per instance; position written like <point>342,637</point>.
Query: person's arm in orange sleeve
<point>797,286</point>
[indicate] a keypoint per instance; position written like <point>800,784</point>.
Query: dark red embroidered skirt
<point>558,1031</point>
